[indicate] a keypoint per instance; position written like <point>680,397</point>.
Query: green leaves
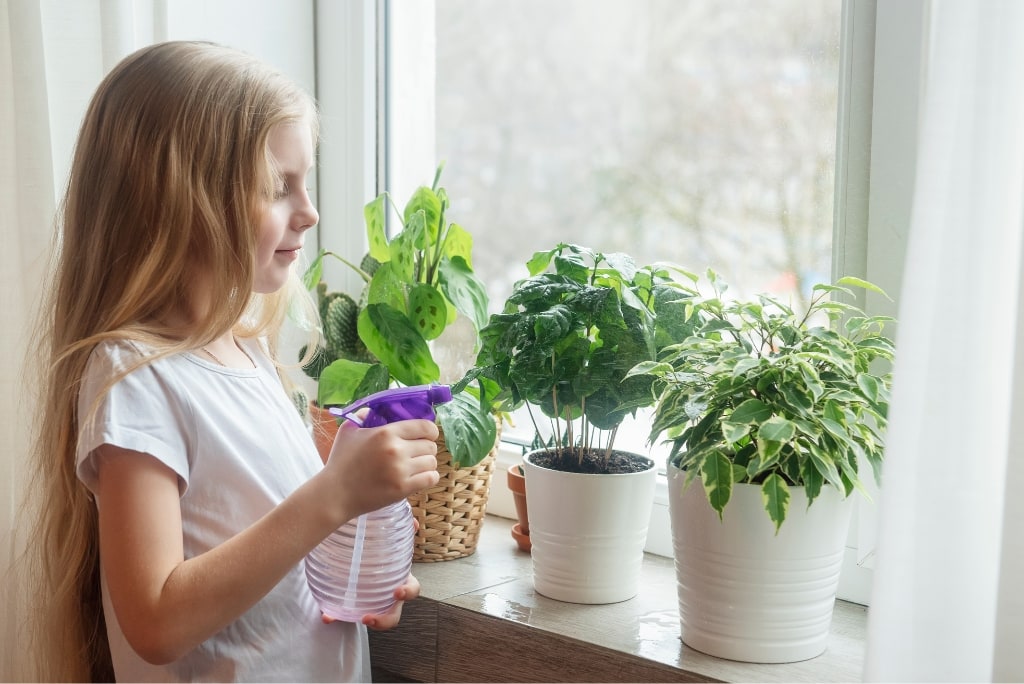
<point>421,279</point>
<point>376,231</point>
<point>569,335</point>
<point>781,398</point>
<point>344,381</point>
<point>751,411</point>
<point>777,429</point>
<point>428,311</point>
<point>424,212</point>
<point>398,344</point>
<point>463,289</point>
<point>425,271</point>
<point>775,495</point>
<point>469,432</point>
<point>314,272</point>
<point>716,474</point>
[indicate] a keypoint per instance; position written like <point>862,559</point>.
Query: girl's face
<point>289,213</point>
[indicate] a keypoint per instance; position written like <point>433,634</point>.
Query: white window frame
<point>347,80</point>
<point>880,96</point>
<point>373,141</point>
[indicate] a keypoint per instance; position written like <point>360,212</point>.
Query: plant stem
<point>362,274</point>
<point>434,260</point>
<point>584,429</point>
<point>810,309</point>
<point>558,429</point>
<point>611,442</point>
<point>536,428</point>
<point>572,437</point>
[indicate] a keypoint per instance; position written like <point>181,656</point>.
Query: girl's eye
<point>281,192</point>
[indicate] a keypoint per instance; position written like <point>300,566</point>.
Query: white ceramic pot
<point>746,593</point>
<point>587,532</point>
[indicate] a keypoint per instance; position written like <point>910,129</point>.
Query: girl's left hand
<point>388,620</point>
<point>406,592</point>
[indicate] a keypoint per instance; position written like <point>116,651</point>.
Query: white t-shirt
<point>239,447</point>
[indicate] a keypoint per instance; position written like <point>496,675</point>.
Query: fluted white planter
<point>746,593</point>
<point>587,532</point>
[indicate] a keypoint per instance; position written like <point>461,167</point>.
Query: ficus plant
<point>568,335</point>
<point>763,394</point>
<point>416,283</point>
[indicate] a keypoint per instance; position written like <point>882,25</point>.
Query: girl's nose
<point>306,214</point>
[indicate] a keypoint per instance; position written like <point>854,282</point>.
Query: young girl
<point>182,490</point>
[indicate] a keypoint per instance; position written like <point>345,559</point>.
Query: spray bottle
<point>355,571</point>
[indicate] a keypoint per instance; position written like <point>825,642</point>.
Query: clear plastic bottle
<point>355,571</point>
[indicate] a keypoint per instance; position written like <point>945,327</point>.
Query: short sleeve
<point>143,411</point>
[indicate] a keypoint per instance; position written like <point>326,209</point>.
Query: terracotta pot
<point>325,428</point>
<point>517,485</point>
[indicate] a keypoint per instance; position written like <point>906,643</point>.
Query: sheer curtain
<point>52,56</point>
<point>948,512</point>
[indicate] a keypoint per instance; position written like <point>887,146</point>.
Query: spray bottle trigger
<point>398,403</point>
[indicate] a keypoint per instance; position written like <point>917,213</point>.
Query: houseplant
<point>775,413</point>
<point>562,346</point>
<point>416,284</point>
<point>338,384</point>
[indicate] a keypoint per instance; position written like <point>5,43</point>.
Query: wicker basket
<point>451,513</point>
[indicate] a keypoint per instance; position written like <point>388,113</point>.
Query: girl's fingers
<point>418,429</point>
<point>409,590</point>
<point>421,463</point>
<point>386,620</point>
<point>424,480</point>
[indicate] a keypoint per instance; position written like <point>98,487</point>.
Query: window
<point>698,132</point>
<point>462,85</point>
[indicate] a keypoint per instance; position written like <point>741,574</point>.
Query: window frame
<point>884,73</point>
<point>349,41</point>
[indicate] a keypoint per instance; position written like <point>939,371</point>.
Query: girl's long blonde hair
<point>167,187</point>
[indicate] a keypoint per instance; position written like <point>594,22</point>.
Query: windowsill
<point>479,619</point>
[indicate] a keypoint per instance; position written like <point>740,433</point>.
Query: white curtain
<point>948,513</point>
<point>52,56</point>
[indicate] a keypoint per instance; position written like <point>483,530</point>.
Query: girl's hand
<point>388,620</point>
<point>369,468</point>
<point>406,592</point>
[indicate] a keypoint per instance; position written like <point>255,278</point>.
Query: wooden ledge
<point>479,620</point>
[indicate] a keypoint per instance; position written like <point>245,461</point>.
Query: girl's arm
<point>167,605</point>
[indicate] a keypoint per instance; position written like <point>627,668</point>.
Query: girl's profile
<point>181,488</point>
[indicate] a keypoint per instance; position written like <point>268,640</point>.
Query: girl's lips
<point>289,253</point>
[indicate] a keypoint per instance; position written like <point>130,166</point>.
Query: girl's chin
<point>270,284</point>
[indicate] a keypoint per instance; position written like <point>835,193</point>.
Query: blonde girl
<point>179,488</point>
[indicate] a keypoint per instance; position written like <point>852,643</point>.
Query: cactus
<point>369,265</point>
<point>340,323</point>
<point>301,401</point>
<point>339,314</point>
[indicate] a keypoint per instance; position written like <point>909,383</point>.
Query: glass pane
<point>700,132</point>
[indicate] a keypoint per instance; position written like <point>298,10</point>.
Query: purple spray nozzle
<point>397,403</point>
